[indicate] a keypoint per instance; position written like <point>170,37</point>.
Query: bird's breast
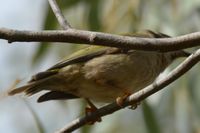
<point>108,76</point>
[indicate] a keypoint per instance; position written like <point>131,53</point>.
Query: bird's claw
<point>134,106</point>
<point>120,100</point>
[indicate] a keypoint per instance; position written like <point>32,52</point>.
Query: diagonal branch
<point>185,66</point>
<point>105,39</point>
<point>58,13</point>
<point>97,38</point>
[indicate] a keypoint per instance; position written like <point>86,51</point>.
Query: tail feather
<point>32,90</point>
<point>34,87</point>
<point>29,89</point>
<point>18,90</point>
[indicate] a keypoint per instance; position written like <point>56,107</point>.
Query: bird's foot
<point>134,106</point>
<point>89,110</point>
<point>121,99</point>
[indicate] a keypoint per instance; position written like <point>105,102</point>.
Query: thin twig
<point>185,66</point>
<point>105,39</point>
<point>59,15</point>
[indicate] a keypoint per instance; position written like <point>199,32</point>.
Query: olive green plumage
<point>101,73</point>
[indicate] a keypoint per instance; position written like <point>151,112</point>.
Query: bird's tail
<point>34,86</point>
<point>43,84</point>
<point>18,90</point>
<point>28,89</point>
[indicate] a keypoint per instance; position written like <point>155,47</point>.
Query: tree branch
<point>185,66</point>
<point>105,39</point>
<point>97,38</point>
<point>58,13</point>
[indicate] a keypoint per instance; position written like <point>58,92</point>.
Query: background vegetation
<point>174,110</point>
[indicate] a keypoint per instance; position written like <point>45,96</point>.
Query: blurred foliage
<point>50,23</point>
<point>150,118</point>
<point>37,120</point>
<point>172,110</point>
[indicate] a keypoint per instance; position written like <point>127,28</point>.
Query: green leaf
<point>64,4</point>
<point>40,52</point>
<point>150,119</point>
<point>93,18</point>
<point>193,88</point>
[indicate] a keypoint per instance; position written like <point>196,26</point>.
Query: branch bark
<point>97,38</point>
<point>59,15</point>
<point>104,39</point>
<point>185,66</point>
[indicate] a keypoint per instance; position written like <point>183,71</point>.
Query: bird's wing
<point>80,56</point>
<point>91,52</point>
<point>86,54</point>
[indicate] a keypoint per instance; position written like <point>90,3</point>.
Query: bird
<point>100,73</point>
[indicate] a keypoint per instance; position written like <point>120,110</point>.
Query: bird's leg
<point>90,109</point>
